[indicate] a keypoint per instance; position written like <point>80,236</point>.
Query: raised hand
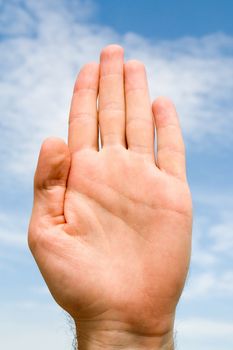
<point>111,225</point>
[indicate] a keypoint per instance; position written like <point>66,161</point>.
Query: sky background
<point>187,47</point>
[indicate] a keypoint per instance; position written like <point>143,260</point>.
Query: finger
<point>50,180</point>
<point>139,118</point>
<point>83,125</point>
<point>170,145</point>
<point>111,96</point>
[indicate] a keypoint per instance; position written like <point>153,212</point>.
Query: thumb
<point>50,181</point>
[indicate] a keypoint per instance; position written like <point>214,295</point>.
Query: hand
<point>111,227</point>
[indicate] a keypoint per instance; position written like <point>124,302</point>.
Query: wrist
<point>108,338</point>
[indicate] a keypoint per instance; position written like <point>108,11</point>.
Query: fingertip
<point>53,144</point>
<point>162,102</point>
<point>111,60</point>
<point>85,76</point>
<point>111,50</point>
<point>53,163</point>
<point>164,110</point>
<point>134,65</point>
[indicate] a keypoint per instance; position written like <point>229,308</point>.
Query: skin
<point>111,227</point>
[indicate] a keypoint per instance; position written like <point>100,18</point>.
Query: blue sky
<point>167,19</point>
<point>187,47</point>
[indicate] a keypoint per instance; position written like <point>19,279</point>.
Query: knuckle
<point>81,117</point>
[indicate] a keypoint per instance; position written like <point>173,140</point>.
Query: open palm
<point>111,225</point>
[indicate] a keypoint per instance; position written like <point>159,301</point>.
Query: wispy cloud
<point>27,321</point>
<point>211,273</point>
<point>196,327</point>
<point>12,239</point>
<point>11,231</point>
<point>210,283</point>
<point>204,333</point>
<point>222,234</point>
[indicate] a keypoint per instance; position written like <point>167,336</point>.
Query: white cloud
<point>12,239</point>
<point>195,327</point>
<point>11,231</point>
<point>211,273</point>
<point>30,325</point>
<point>210,283</point>
<point>202,256</point>
<point>219,234</point>
<point>40,64</point>
<point>218,199</point>
<point>204,334</point>
<point>23,20</point>
<point>41,290</point>
<point>222,234</point>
